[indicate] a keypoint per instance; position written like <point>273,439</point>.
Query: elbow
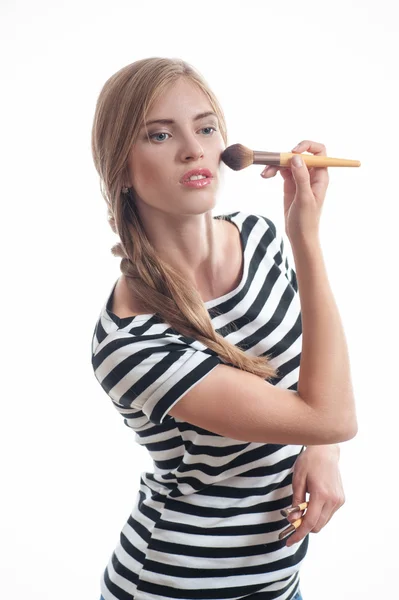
<point>336,435</point>
<point>345,425</point>
<point>335,432</point>
<point>347,429</point>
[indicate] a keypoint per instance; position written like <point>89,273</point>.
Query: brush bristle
<point>237,157</point>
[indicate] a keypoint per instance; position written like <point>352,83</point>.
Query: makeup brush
<point>293,526</point>
<point>290,529</point>
<point>287,511</point>
<point>239,157</point>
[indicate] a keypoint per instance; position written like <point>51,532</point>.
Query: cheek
<point>153,175</point>
<point>145,174</point>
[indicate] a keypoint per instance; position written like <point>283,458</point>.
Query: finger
<point>269,172</point>
<point>325,516</point>
<point>330,508</point>
<point>301,176</point>
<point>309,146</point>
<point>318,177</point>
<point>298,494</point>
<point>294,516</point>
<point>286,174</point>
<point>309,521</point>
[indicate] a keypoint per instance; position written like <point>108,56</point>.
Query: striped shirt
<point>205,522</point>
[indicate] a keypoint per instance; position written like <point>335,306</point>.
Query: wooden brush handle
<point>287,511</point>
<point>297,523</point>
<point>290,529</point>
<point>317,161</point>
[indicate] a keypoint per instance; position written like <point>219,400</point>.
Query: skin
<point>316,471</point>
<point>179,224</point>
<point>178,219</point>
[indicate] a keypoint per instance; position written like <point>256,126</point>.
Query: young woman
<point>222,358</point>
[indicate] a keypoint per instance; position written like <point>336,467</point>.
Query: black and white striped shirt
<point>205,522</point>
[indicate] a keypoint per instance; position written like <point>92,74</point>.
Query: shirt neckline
<point>121,322</point>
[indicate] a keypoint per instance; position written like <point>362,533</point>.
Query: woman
<point>198,346</point>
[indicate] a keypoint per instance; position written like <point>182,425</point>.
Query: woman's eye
<point>154,135</point>
<point>214,129</point>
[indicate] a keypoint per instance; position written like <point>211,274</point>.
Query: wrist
<point>332,449</point>
<point>304,242</point>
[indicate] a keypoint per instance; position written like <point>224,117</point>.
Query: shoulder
<point>251,218</point>
<point>247,221</point>
<point>151,371</point>
<point>124,304</point>
<point>267,222</point>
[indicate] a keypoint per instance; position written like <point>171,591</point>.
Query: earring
<point>125,190</point>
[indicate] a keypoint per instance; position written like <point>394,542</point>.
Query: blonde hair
<point>121,110</point>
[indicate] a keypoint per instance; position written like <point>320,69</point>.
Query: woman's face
<point>157,166</point>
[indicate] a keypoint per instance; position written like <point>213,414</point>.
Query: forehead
<point>182,98</point>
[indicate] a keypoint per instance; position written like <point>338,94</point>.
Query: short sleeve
<point>150,373</point>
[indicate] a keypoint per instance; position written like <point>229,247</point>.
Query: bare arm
<point>243,406</point>
<point>324,377</point>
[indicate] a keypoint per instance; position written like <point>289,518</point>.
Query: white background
<point>283,72</point>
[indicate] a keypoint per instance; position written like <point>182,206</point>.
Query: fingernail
<point>297,161</point>
<point>264,172</point>
<point>295,515</point>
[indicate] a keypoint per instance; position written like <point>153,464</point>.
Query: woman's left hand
<point>319,177</point>
<point>316,472</point>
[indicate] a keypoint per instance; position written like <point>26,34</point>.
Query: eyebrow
<point>171,121</point>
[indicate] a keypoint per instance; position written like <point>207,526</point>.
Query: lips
<point>187,175</point>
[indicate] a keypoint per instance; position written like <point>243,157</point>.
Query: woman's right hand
<point>304,193</point>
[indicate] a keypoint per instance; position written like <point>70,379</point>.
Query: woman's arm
<point>324,375</point>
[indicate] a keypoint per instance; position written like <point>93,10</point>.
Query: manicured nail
<point>297,161</point>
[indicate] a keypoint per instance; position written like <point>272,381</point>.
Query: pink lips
<point>187,175</point>
<point>198,183</point>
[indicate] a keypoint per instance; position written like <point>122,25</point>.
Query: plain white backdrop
<point>283,72</point>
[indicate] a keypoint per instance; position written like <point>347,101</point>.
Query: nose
<point>191,149</point>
